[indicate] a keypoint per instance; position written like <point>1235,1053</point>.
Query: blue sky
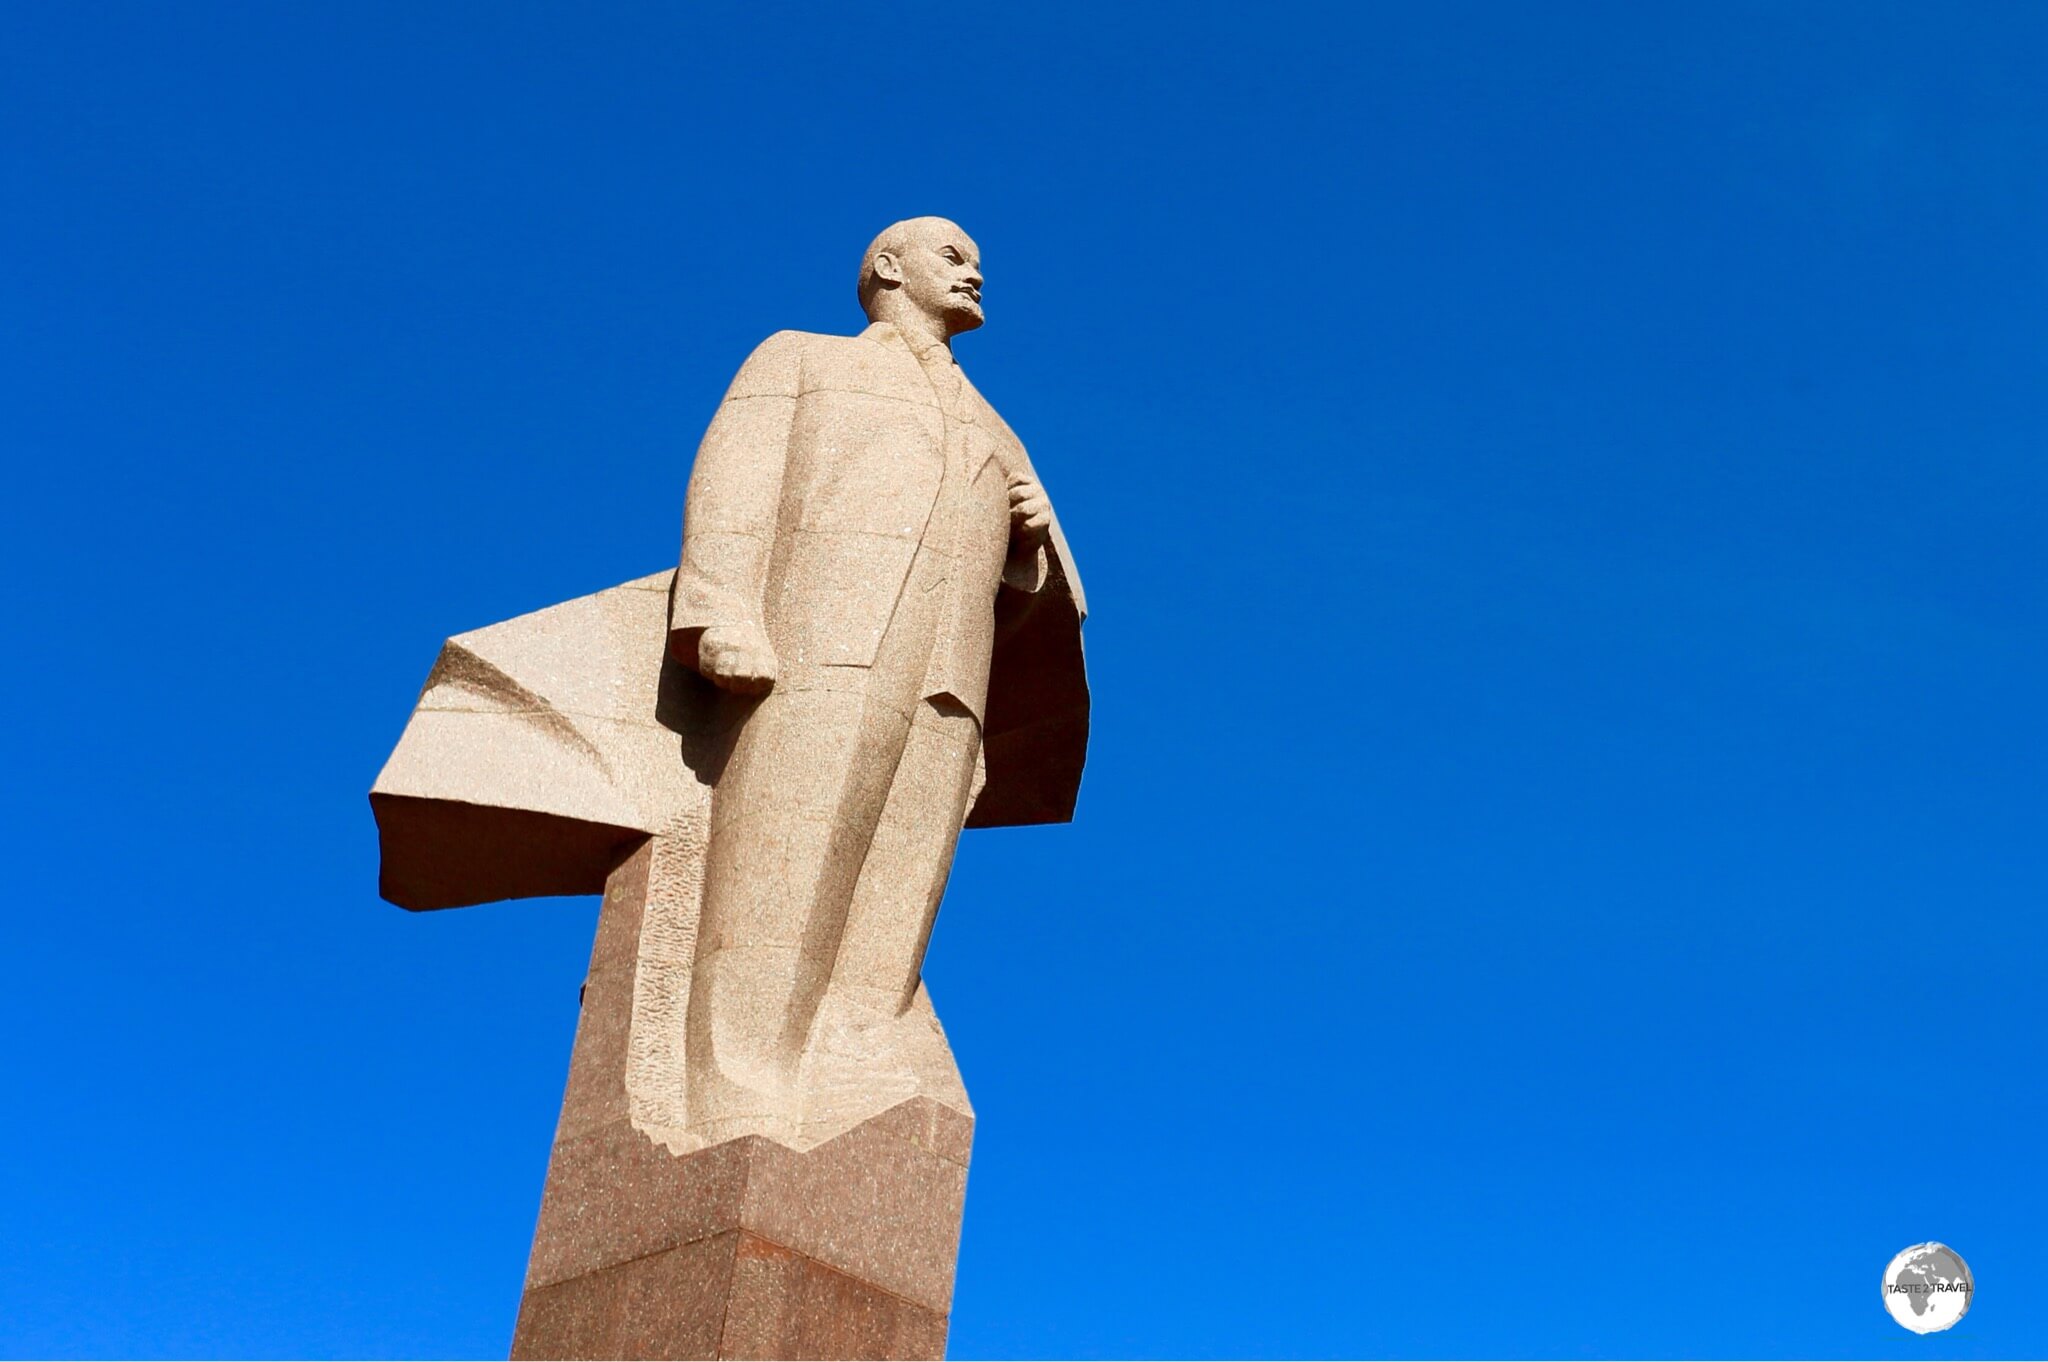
<point>1560,491</point>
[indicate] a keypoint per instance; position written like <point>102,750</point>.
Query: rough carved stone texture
<point>745,1248</point>
<point>764,759</point>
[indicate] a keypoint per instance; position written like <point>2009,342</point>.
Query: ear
<point>888,268</point>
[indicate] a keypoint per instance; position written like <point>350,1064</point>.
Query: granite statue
<point>764,759</point>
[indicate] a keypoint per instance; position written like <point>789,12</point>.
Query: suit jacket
<point>814,488</point>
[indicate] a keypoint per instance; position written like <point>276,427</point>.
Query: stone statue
<point>873,640</point>
<point>854,510</point>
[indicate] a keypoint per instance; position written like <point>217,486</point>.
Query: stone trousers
<point>833,827</point>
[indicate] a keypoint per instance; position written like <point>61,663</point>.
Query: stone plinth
<point>743,1249</point>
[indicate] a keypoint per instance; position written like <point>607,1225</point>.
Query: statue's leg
<point>792,817</point>
<point>794,811</point>
<point>909,859</point>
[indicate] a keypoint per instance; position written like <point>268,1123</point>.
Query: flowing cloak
<point>545,748</point>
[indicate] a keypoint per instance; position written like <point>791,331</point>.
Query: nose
<point>973,276</point>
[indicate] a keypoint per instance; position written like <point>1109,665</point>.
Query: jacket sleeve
<point>735,494</point>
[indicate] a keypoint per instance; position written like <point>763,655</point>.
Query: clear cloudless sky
<point>1560,489</point>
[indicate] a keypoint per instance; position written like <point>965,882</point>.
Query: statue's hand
<point>738,658</point>
<point>1030,510</point>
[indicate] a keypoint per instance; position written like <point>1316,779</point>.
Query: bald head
<point>925,273</point>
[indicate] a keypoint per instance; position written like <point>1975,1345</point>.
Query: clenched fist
<point>1030,510</point>
<point>738,658</point>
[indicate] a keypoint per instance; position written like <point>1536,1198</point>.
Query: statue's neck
<point>921,333</point>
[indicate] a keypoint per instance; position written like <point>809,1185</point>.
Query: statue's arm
<point>1025,567</point>
<point>729,517</point>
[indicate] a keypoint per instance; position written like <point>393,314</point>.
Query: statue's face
<point>941,270</point>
